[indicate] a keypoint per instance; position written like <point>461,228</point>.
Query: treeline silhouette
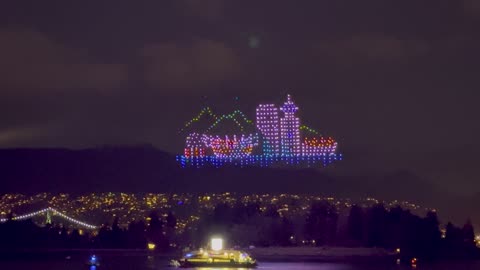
<point>392,229</point>
<point>244,225</point>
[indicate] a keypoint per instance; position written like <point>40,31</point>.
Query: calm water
<point>158,263</point>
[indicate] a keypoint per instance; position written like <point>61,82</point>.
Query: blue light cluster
<point>258,160</point>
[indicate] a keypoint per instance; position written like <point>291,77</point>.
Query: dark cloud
<point>18,136</point>
<point>368,49</point>
<point>472,7</point>
<point>33,61</point>
<point>197,64</point>
<point>211,10</point>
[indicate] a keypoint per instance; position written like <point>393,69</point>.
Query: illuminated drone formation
<point>278,141</point>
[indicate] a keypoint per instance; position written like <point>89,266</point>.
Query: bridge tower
<point>48,217</point>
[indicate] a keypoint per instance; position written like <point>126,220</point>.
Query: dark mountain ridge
<point>146,169</point>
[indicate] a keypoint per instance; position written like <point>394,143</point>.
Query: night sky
<point>396,83</point>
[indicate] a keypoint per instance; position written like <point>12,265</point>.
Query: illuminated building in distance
<point>290,130</point>
<point>268,125</point>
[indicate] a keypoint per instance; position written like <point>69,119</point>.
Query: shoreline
<point>271,254</point>
<point>322,254</point>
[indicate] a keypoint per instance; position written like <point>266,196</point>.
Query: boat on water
<point>93,261</point>
<point>215,256</point>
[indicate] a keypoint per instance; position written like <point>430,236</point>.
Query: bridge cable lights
<point>30,215</point>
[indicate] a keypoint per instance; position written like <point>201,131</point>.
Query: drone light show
<point>278,140</point>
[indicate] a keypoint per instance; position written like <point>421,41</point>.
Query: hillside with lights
<point>277,140</point>
<point>140,169</point>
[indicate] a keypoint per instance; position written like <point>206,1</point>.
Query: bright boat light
<point>217,244</point>
<point>151,246</point>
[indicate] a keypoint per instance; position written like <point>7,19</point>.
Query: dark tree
<point>396,222</point>
<point>376,226</point>
<point>240,215</point>
<point>468,234</point>
<point>321,223</point>
<point>459,243</point>
<point>171,223</point>
<point>252,209</point>
<point>272,211</point>
<point>223,214</point>
<point>453,236</point>
<point>74,240</point>
<point>116,234</point>
<point>136,237</point>
<point>431,236</point>
<point>284,232</point>
<point>155,233</point>
<point>469,246</point>
<point>171,220</point>
<point>355,224</point>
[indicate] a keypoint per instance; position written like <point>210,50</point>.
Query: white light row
<point>26,216</point>
<point>29,215</point>
<point>72,219</point>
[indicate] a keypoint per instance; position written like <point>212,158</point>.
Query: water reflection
<point>210,268</point>
<point>289,266</point>
<point>133,262</point>
<point>151,263</point>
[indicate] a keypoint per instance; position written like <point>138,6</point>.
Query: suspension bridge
<point>49,211</point>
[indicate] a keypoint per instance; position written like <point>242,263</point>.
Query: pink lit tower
<point>290,130</point>
<point>268,124</point>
